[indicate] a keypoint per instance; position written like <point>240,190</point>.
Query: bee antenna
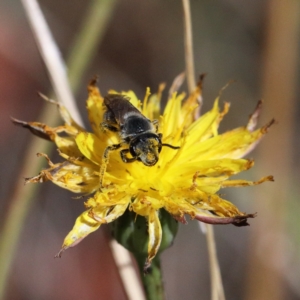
<point>170,146</point>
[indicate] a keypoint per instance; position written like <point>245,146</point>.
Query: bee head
<point>146,148</point>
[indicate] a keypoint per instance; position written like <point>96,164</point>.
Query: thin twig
<point>188,41</point>
<point>189,53</point>
<point>217,290</point>
<point>22,197</point>
<point>127,273</point>
<point>51,56</point>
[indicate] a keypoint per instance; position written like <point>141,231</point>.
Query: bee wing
<point>120,107</point>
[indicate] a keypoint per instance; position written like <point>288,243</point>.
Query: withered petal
<point>238,221</point>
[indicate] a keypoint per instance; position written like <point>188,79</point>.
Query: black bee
<point>135,130</point>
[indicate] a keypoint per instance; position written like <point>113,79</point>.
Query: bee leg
<point>105,125</point>
<point>105,159</point>
<point>125,158</point>
<point>155,123</point>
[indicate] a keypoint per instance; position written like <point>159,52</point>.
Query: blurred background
<point>254,42</point>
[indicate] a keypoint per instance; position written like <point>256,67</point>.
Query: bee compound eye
<point>158,145</point>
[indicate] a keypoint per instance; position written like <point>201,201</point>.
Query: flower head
<point>184,181</point>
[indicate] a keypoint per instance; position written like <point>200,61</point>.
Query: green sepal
<point>131,231</point>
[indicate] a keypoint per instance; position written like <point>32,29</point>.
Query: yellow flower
<point>184,181</point>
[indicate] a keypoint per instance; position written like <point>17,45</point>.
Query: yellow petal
<point>108,197</point>
<point>190,104</point>
<point>177,205</point>
<point>152,109</point>
<point>240,182</point>
<point>219,206</point>
<point>144,205</point>
<point>209,168</point>
<point>78,179</point>
<point>204,126</point>
<point>95,108</point>
<point>90,146</point>
<point>115,213</point>
<point>133,99</point>
<point>84,225</point>
<point>155,235</point>
<point>68,146</point>
<point>172,116</point>
<point>146,109</point>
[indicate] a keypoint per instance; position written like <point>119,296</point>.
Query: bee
<point>135,131</point>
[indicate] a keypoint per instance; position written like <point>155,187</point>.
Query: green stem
<point>152,281</point>
<point>130,230</point>
<point>23,197</point>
